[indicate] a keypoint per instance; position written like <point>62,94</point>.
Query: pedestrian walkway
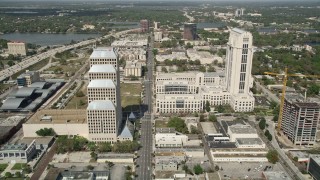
<point>8,169</point>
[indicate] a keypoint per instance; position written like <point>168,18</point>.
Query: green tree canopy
<point>198,169</point>
<point>272,156</point>
<point>178,124</point>
<point>46,132</point>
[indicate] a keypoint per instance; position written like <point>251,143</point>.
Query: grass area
<point>19,166</point>
<point>33,67</point>
<point>130,94</point>
<point>3,167</point>
<point>161,124</point>
<point>79,102</point>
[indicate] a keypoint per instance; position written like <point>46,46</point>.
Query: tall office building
<point>300,120</point>
<point>314,166</point>
<point>238,70</point>
<point>190,31</point>
<point>144,25</point>
<point>239,12</point>
<point>104,112</point>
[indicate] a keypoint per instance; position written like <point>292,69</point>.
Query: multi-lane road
<point>28,61</point>
<point>144,170</point>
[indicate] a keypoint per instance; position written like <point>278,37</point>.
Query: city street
<point>144,169</point>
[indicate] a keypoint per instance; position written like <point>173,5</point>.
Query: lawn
<point>74,103</point>
<point>19,166</point>
<point>3,167</point>
<point>161,124</point>
<point>130,94</point>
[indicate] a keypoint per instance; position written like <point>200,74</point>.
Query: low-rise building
<point>239,155</point>
<point>241,131</point>
<point>158,36</point>
<point>133,68</point>
<point>17,153</point>
<point>170,138</point>
<point>250,143</point>
<point>275,175</point>
<point>27,78</point>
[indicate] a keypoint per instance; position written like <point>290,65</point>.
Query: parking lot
<point>245,170</point>
<point>72,157</point>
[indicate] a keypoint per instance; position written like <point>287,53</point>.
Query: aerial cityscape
<point>160,90</point>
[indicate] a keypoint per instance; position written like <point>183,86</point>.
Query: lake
<point>47,39</point>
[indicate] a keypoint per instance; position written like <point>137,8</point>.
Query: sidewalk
<point>8,169</point>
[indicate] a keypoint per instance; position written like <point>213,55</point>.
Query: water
<point>47,39</point>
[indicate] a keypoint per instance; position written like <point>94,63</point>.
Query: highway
<point>144,170</point>
<point>28,61</point>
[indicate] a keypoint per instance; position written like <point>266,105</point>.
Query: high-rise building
<point>144,25</point>
<point>156,25</point>
<point>17,48</point>
<point>314,166</point>
<point>190,31</point>
<point>239,12</point>
<point>104,112</point>
<point>238,70</point>
<point>300,119</point>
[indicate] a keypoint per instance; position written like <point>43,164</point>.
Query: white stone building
<point>106,71</point>
<point>102,89</point>
<point>188,92</point>
<point>241,131</point>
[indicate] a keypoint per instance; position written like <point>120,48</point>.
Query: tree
<point>164,69</point>
<point>197,169</point>
<point>313,89</point>
<point>125,146</point>
<point>46,132</point>
<point>269,137</point>
<point>155,52</point>
<point>202,68</point>
<point>212,118</point>
<point>10,63</point>
<point>208,109</point>
<point>104,147</point>
<point>194,130</point>
<point>220,109</point>
<point>201,118</point>
<point>81,102</point>
<point>272,156</point>
<point>94,156</point>
<point>110,164</point>
<point>262,124</point>
<point>296,159</point>
<point>18,174</point>
<point>8,175</point>
<point>266,133</point>
<point>178,124</point>
<point>80,94</point>
<point>89,167</point>
<point>216,168</point>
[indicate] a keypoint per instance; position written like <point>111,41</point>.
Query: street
<point>144,169</point>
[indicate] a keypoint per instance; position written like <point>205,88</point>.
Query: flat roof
<point>249,141</point>
<point>103,52</point>
<point>242,129</point>
<point>276,175</point>
<point>101,83</point>
<point>11,121</point>
<point>316,158</point>
<point>59,116</point>
<point>38,140</point>
<point>13,147</point>
<point>102,68</point>
<point>165,130</point>
<point>237,30</point>
<point>208,128</point>
<point>101,105</point>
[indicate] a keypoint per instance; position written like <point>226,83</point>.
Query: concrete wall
<point>29,130</point>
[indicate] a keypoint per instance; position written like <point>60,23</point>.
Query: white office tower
<point>103,121</point>
<point>238,70</point>
<point>104,91</point>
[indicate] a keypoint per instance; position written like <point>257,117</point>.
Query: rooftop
<point>53,116</point>
<point>316,158</point>
<point>241,129</point>
<point>276,175</point>
<point>106,68</point>
<point>101,105</point>
<point>246,141</point>
<point>13,147</point>
<point>101,83</point>
<point>103,52</point>
<point>11,121</point>
<point>208,128</point>
<point>237,30</point>
<point>165,130</point>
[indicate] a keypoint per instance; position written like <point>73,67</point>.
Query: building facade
<point>17,48</point>
<point>102,89</point>
<point>144,25</point>
<point>314,166</point>
<point>300,120</point>
<point>133,68</point>
<point>106,71</point>
<point>238,70</point>
<point>17,153</point>
<point>190,31</point>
